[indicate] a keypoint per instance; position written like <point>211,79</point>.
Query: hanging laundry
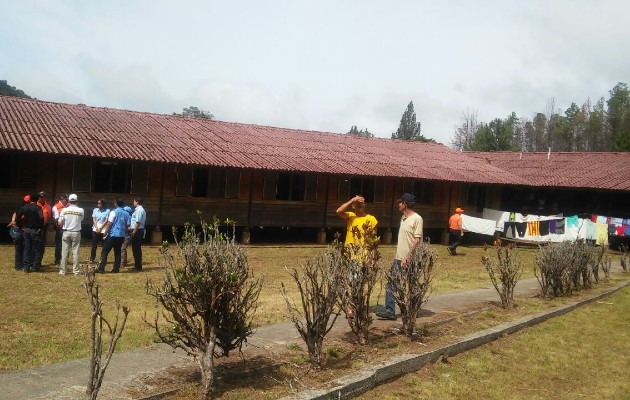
<point>509,228</point>
<point>620,230</point>
<point>572,221</point>
<point>594,217</point>
<point>543,228</point>
<point>533,228</point>
<point>602,234</point>
<point>560,223</point>
<point>521,228</point>
<point>601,219</point>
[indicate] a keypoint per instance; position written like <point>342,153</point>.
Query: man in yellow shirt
<point>356,218</point>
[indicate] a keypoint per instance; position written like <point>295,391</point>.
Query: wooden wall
<point>166,208</point>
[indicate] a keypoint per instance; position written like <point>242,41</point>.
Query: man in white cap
<point>70,222</point>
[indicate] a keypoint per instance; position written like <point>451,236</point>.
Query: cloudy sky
<point>321,65</point>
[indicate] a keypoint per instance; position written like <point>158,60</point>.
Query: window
<point>82,175</point>
<point>139,178</point>
<point>311,187</point>
<point>350,187</point>
<point>111,176</point>
<point>8,164</point>
<point>476,196</point>
<point>423,190</point>
<point>216,183</point>
<point>200,182</point>
<point>232,183</point>
<point>290,187</point>
<point>184,181</point>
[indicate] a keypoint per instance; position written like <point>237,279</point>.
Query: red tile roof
<point>66,129</point>
<point>607,171</point>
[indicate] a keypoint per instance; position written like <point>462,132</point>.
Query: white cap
<point>73,197</point>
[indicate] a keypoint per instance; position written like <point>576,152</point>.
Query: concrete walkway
<point>126,371</point>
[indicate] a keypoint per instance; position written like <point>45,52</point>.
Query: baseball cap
<point>42,194</point>
<point>63,196</point>
<point>73,197</point>
<point>27,198</point>
<point>459,210</point>
<point>407,198</point>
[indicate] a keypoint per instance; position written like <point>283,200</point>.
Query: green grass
<point>581,355</point>
<point>44,316</point>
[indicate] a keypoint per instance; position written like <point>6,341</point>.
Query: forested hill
<point>6,90</point>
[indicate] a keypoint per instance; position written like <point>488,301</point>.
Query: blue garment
<point>139,217</point>
<point>101,217</point>
<point>120,223</point>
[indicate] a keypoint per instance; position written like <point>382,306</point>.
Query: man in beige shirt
<point>409,236</point>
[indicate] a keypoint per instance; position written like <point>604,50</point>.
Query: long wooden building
<point>274,182</point>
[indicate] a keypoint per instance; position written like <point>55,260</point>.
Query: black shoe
<point>100,271</point>
<point>115,271</point>
<point>386,315</point>
<point>450,251</point>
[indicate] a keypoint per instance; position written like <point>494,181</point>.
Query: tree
<point>6,90</point>
<point>619,117</point>
<point>495,136</point>
<point>194,112</point>
<point>208,297</point>
<point>354,131</point>
<point>409,129</point>
<point>466,131</point>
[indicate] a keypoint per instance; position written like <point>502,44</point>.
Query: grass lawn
<point>44,316</point>
<point>582,355</point>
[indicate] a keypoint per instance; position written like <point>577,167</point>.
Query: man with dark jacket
<point>33,232</point>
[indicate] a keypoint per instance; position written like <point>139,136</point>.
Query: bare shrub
<point>98,364</point>
<point>606,266</point>
<point>562,268</point>
<point>208,297</point>
<point>318,284</point>
<point>504,271</point>
<point>625,257</point>
<point>553,269</point>
<point>411,284</point>
<point>359,271</point>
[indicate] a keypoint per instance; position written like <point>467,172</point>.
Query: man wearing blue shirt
<point>114,234</point>
<point>138,219</point>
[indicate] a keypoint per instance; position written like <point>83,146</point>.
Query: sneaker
<point>386,315</point>
<point>62,272</point>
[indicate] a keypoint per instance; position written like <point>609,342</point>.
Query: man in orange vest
<point>60,205</point>
<point>47,211</point>
<point>455,231</point>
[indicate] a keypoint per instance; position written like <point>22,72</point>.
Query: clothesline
<point>546,228</point>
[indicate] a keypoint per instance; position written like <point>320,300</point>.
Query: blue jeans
<point>390,303</point>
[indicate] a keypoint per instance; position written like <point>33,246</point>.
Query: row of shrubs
<point>208,295</point>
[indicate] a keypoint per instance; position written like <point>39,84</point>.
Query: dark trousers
<point>136,247</point>
<point>19,252</point>
<point>58,240</point>
<point>454,239</point>
<point>42,248</point>
<point>111,243</point>
<point>96,238</point>
<point>32,248</point>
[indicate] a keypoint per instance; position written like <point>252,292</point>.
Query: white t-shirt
<point>71,217</point>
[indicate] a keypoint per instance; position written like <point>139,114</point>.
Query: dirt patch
<point>266,374</point>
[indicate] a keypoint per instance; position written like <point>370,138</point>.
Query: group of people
<point>116,228</point>
<point>409,236</point>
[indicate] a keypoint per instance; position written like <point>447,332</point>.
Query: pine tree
<point>409,129</point>
<point>354,131</point>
